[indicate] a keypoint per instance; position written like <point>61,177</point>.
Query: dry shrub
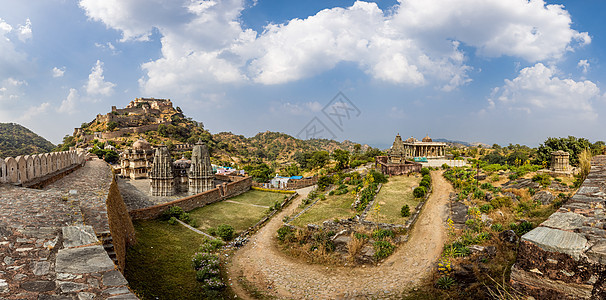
<point>354,246</point>
<point>584,163</point>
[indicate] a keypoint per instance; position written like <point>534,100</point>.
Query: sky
<point>491,71</point>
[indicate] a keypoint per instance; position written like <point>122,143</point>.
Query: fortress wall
<point>3,177</point>
<point>34,170</point>
<point>221,192</point>
<point>565,256</point>
<point>120,224</point>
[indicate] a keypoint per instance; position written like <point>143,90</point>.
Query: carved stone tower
<point>161,174</point>
<point>200,173</point>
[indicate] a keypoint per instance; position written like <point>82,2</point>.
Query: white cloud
<point>34,111</point>
<point>583,65</point>
<point>58,72</point>
<point>10,90</point>
<point>305,108</point>
<point>539,91</point>
<point>68,105</point>
<point>11,60</point>
<point>96,82</point>
<point>415,43</point>
<point>25,31</point>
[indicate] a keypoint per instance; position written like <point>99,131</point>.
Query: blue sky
<point>474,70</point>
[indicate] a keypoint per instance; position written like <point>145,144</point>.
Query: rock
<point>488,221</point>
<point>464,274</point>
<point>313,227</point>
<point>523,183</point>
<point>459,213</point>
<point>556,240</point>
<point>341,243</point>
<point>76,236</point>
<point>512,196</point>
<point>116,290</point>
<point>41,268</point>
<point>69,287</point>
<point>366,254</point>
<point>8,260</point>
<point>480,177</point>
<point>476,248</point>
<point>86,296</point>
<point>3,286</point>
<point>565,221</point>
<point>124,297</point>
<point>508,236</point>
<point>545,197</point>
<point>556,186</point>
<point>500,213</point>
<point>5,232</point>
<point>88,259</point>
<point>19,277</point>
<point>488,196</point>
<point>114,278</point>
<point>38,286</point>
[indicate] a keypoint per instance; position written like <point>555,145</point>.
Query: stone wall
<point>565,257</point>
<point>130,130</point>
<point>221,192</point>
<point>405,167</point>
<point>25,170</point>
<point>120,224</point>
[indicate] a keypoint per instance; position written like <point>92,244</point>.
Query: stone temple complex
<point>194,177</point>
<point>424,148</point>
<point>395,162</point>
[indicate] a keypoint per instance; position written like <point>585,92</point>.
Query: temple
<point>137,162</point>
<point>192,176</point>
<point>425,148</point>
<point>395,162</point>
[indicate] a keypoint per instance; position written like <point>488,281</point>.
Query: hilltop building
<point>395,162</point>
<point>192,176</point>
<point>425,148</point>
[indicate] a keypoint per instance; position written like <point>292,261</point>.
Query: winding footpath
<point>271,272</point>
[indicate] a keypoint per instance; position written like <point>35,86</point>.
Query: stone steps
<point>108,245</point>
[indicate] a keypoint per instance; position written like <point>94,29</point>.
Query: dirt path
<point>271,272</point>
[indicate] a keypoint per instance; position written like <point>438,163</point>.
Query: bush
<point>283,233</point>
<point>542,179</point>
<point>211,245</point>
<point>174,211</point>
<point>522,228</point>
<point>419,192</point>
<point>425,184</point>
<point>225,232</point>
<point>445,166</point>
<point>445,282</point>
<point>383,249</point>
<point>425,171</point>
<point>486,208</point>
<point>172,221</point>
<point>405,211</point>
<point>497,227</point>
<point>499,202</point>
<point>323,182</point>
<point>381,234</point>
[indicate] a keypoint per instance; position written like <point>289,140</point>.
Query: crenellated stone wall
<point>26,170</point>
<point>565,257</point>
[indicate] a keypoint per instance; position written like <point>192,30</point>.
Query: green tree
<point>342,158</point>
<point>260,172</point>
<point>571,144</point>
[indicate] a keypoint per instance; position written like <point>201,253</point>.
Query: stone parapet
<point>565,257</point>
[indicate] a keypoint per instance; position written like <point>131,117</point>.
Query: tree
<point>357,148</point>
<point>111,156</point>
<point>342,158</point>
<point>260,172</point>
<point>112,125</point>
<point>324,182</point>
<point>571,144</point>
<point>318,159</point>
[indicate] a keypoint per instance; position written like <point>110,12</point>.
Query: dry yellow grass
<point>393,195</point>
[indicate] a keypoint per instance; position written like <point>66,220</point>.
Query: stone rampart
<point>28,170</point>
<point>565,257</point>
<point>221,192</point>
<point>120,224</point>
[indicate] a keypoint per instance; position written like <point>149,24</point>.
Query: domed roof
<point>141,144</point>
<point>182,163</point>
<point>411,140</point>
<point>427,139</point>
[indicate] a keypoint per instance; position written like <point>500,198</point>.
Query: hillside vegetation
<point>17,140</point>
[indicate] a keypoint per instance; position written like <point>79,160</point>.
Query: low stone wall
<point>565,257</point>
<point>221,192</point>
<point>387,168</point>
<point>29,170</point>
<point>120,224</point>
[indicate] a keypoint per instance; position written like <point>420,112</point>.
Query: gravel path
<point>272,272</point>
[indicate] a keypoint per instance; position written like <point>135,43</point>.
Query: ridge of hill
<point>159,122</point>
<point>18,140</point>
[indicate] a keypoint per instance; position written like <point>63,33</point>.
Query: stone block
<point>565,221</point>
<point>114,278</point>
<point>41,268</point>
<point>88,259</point>
<point>556,240</point>
<point>76,236</point>
<point>597,253</point>
<point>69,287</point>
<point>39,286</point>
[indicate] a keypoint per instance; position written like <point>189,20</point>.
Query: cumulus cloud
<point>11,60</point>
<point>204,43</point>
<point>540,91</point>
<point>305,108</point>
<point>34,111</point>
<point>10,90</point>
<point>68,105</point>
<point>97,86</point>
<point>25,31</point>
<point>583,65</point>
<point>58,72</point>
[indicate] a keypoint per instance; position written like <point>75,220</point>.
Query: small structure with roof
<point>137,162</point>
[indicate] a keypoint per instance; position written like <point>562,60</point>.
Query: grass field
<point>249,209</point>
<point>336,206</point>
<point>159,265</point>
<point>393,195</point>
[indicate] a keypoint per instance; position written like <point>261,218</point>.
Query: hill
<point>159,122</point>
<point>17,140</point>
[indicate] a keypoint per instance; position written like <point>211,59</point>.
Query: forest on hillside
<point>17,140</point>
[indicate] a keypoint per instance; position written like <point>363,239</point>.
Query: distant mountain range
<point>17,140</point>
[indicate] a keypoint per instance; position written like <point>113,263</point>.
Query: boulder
<point>512,196</point>
<point>476,248</point>
<point>459,213</point>
<point>341,243</point>
<point>508,236</point>
<point>366,255</point>
<point>488,221</point>
<point>545,197</point>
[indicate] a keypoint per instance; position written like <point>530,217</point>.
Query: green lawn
<point>329,209</point>
<point>159,265</point>
<point>239,215</point>
<point>393,195</point>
